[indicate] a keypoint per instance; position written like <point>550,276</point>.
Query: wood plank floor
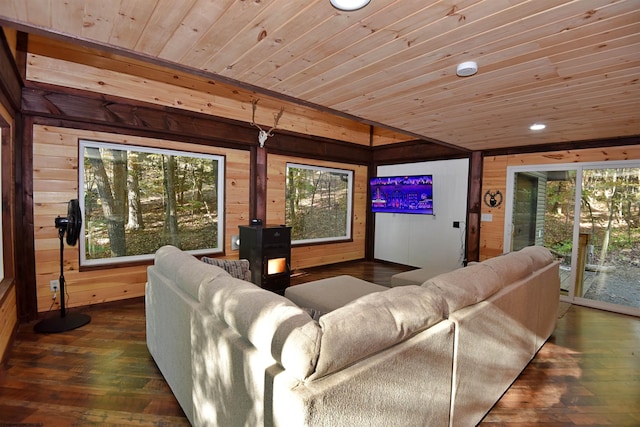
<point>588,373</point>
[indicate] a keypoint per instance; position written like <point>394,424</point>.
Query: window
<point>318,203</point>
<point>136,199</point>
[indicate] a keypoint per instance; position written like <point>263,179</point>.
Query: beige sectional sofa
<point>433,355</point>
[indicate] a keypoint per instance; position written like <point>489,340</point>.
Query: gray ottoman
<point>326,295</point>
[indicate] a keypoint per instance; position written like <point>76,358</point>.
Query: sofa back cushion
<point>185,270</point>
<point>477,282</point>
<point>511,267</point>
<point>465,286</point>
<point>540,256</point>
<point>272,323</point>
<point>373,323</point>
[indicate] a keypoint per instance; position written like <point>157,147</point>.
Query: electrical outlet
<point>55,285</point>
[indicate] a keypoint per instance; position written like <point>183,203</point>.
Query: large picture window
<point>136,199</point>
<point>318,203</point>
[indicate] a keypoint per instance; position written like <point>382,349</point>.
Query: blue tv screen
<point>402,194</point>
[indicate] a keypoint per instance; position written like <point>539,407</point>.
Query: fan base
<point>62,324</point>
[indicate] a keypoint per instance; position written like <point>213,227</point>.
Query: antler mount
<point>263,134</point>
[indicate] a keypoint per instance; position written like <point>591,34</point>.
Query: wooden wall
<point>66,65</point>
<point>8,318</point>
<point>495,178</point>
<point>11,35</point>
<point>55,182</point>
<point>320,254</point>
<point>55,153</point>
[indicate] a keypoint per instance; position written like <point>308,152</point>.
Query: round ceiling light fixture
<point>467,69</point>
<point>537,126</point>
<point>349,5</point>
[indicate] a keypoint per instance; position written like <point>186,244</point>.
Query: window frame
<point>349,215</point>
<point>220,183</point>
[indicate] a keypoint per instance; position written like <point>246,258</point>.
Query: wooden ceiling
<point>573,65</point>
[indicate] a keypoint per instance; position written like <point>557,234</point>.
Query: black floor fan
<point>71,225</point>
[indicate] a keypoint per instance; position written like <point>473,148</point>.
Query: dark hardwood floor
<point>588,373</point>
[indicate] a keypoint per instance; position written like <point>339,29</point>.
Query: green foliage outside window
<point>610,206</point>
<point>135,200</point>
<point>318,203</point>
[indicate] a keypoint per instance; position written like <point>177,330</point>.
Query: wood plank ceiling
<point>573,65</point>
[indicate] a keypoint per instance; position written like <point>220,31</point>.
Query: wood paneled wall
<point>8,317</point>
<point>65,65</point>
<point>12,36</point>
<point>380,136</point>
<point>55,157</point>
<point>495,178</point>
<point>55,182</point>
<point>320,254</point>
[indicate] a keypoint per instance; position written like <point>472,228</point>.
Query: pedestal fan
<point>71,225</point>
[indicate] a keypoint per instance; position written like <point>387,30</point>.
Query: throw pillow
<point>238,268</point>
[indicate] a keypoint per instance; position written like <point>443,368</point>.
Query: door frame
<point>578,167</point>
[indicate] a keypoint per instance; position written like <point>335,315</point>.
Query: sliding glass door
<point>588,215</point>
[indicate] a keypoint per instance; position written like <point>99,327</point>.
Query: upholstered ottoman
<point>326,295</point>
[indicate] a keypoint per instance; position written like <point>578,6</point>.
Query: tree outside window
<point>137,199</point>
<point>318,203</point>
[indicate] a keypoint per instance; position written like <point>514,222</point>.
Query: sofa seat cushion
<point>328,294</point>
<point>238,268</point>
<point>465,286</point>
<point>373,323</point>
<point>270,322</point>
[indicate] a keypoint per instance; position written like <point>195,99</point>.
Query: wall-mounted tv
<point>402,194</point>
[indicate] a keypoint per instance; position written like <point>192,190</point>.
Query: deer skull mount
<point>264,134</point>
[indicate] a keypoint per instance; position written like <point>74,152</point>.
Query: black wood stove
<point>268,249</point>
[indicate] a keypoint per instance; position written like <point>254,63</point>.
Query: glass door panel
<point>610,231</point>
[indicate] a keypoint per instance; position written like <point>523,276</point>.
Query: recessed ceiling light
<point>537,126</point>
<point>349,5</point>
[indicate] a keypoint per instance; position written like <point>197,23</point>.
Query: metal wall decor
<point>493,199</point>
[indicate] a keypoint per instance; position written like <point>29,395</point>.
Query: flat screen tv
<point>402,194</point>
